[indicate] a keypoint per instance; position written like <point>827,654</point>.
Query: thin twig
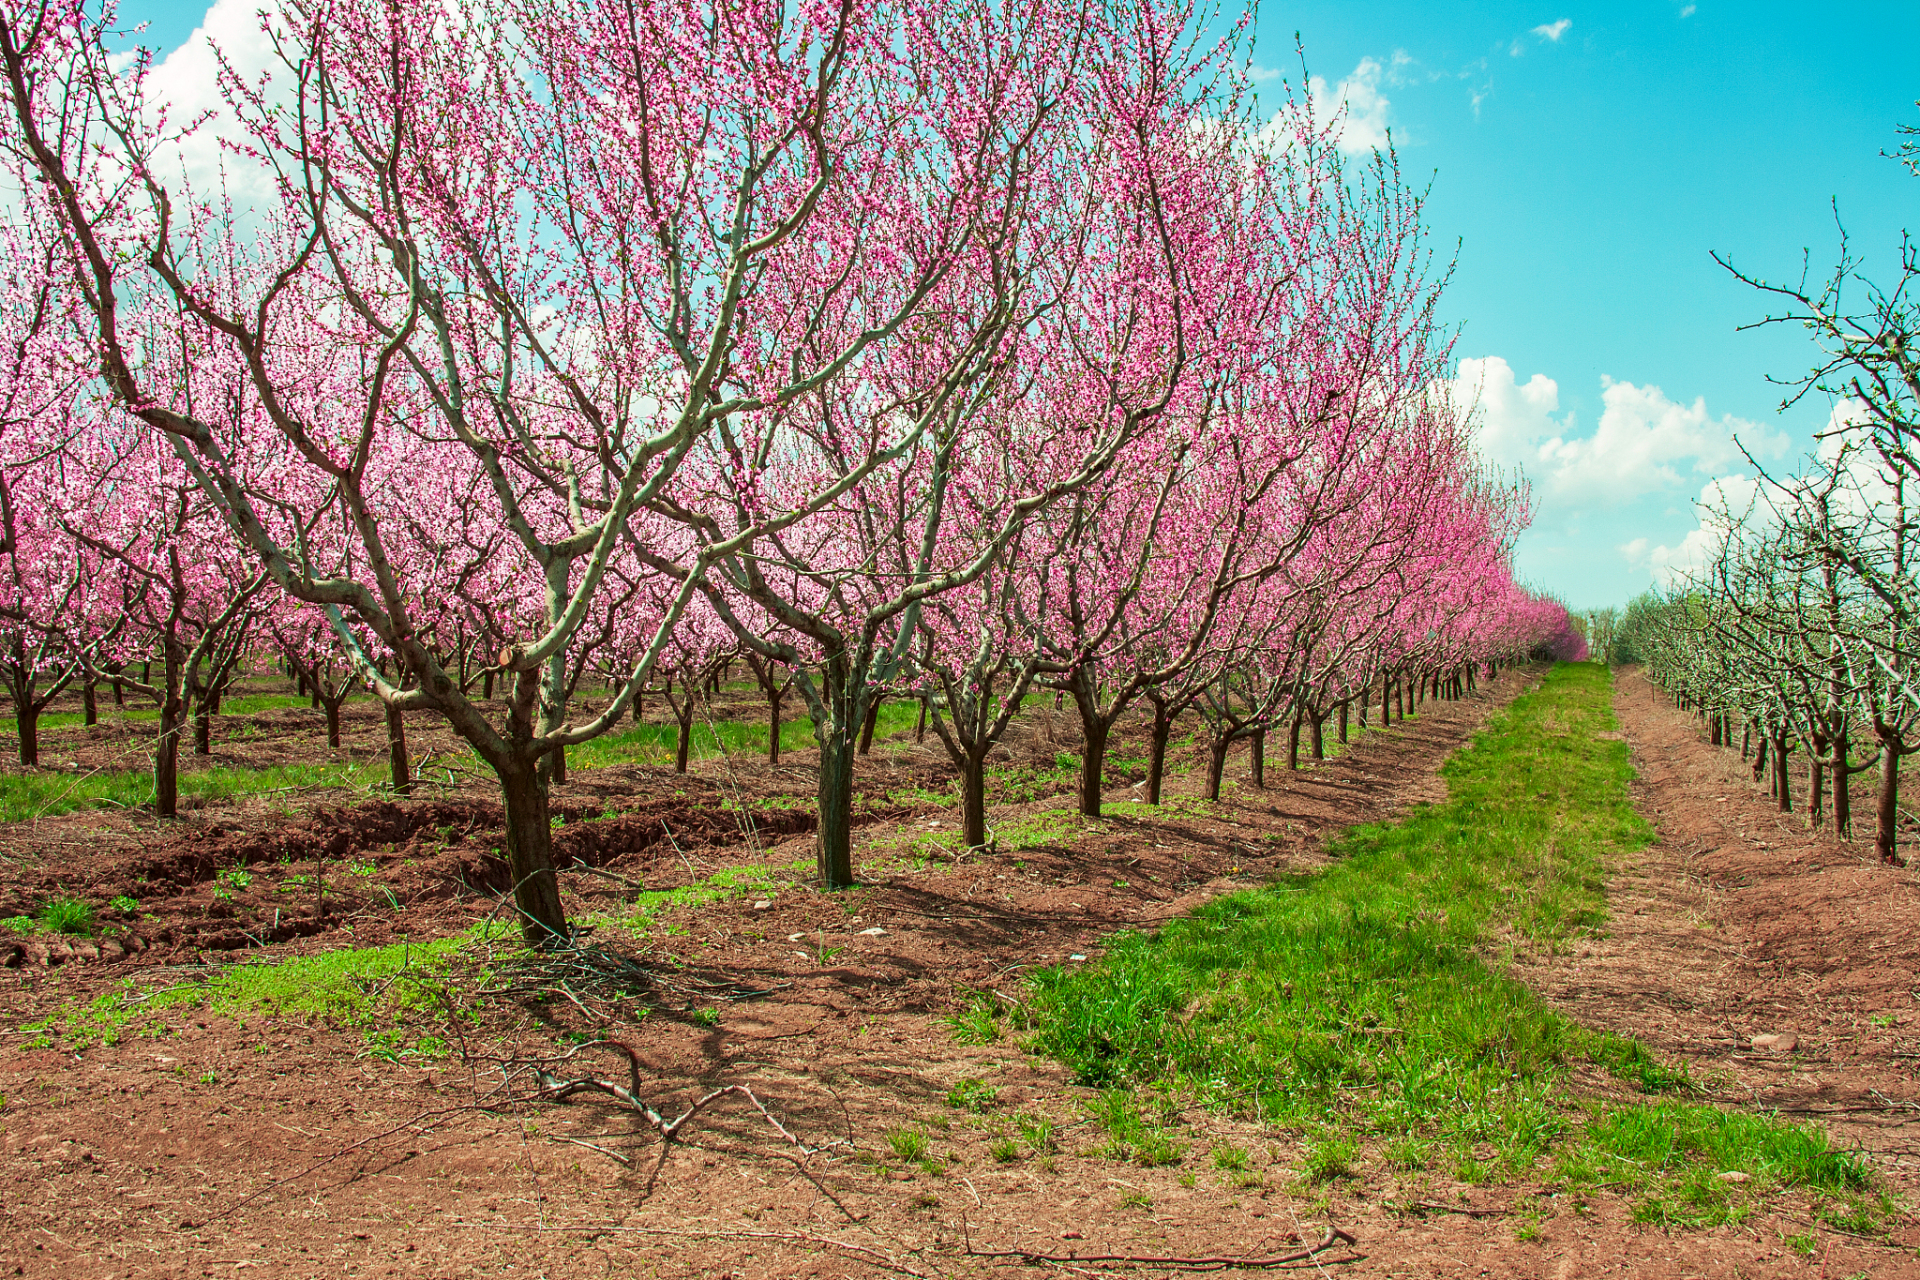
<point>1215,1262</point>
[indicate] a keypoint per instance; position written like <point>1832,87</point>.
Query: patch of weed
<point>970,1094</point>
<point>727,883</point>
<point>909,1145</point>
<point>1037,1131</point>
<point>979,1022</point>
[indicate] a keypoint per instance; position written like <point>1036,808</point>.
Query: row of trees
<point>907,347</point>
<point>1799,634</point>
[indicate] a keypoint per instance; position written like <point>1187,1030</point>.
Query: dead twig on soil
<point>555,1089</point>
<point>1217,1262</point>
<point>1434,1206</point>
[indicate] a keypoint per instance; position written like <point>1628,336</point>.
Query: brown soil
<point>1742,923</point>
<point>277,1148</point>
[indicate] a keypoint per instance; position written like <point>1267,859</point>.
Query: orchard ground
<point>282,1049</point>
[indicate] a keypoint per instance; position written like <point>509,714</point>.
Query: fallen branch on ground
<point>554,1089</point>
<point>1218,1262</point>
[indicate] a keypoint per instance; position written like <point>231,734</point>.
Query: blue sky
<point>1587,170</point>
<point>1586,158</point>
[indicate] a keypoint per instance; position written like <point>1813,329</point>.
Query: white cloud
<point>1645,442</point>
<point>1553,30</point>
<point>188,84</point>
<point>1723,502</point>
<point>1689,11</point>
<point>1514,418</point>
<point>1355,107</point>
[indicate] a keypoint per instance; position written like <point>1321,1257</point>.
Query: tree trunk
<point>1816,783</point>
<point>333,722</point>
<point>866,729</point>
<point>397,763</point>
<point>486,685</point>
<point>166,759</point>
<point>536,889</point>
<point>973,799</point>
<point>119,695</point>
<point>557,766</point>
<point>834,836</point>
<point>1216,764</point>
<point>1400,701</point>
<point>1343,722</point>
<point>1842,788</point>
<point>89,705</point>
<point>1760,757</point>
<point>920,725</point>
<point>684,747</point>
<point>1257,758</point>
<point>1386,706</point>
<point>27,719</point>
<point>1293,743</point>
<point>773,727</point>
<point>1886,807</point>
<point>202,730</point>
<point>1316,730</point>
<point>1782,775</point>
<point>1157,751</point>
<point>1092,763</point>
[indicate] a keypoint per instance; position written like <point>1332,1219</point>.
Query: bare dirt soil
<point>276,1147</point>
<point>1779,960</point>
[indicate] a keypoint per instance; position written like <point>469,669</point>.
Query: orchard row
<point>904,349</point>
<point>1800,630</point>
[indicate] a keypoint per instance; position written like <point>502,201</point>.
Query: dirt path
<point>272,1148</point>
<point>1740,923</point>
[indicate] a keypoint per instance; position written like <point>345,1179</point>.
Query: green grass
<point>244,705</point>
<point>655,744</point>
<point>1358,1006</point>
<point>42,795</point>
<point>62,915</point>
<point>381,991</point>
<point>729,882</point>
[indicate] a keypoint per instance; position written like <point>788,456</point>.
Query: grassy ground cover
<point>1364,1007</point>
<point>655,744</point>
<point>244,705</point>
<point>24,796</point>
<point>379,991</point>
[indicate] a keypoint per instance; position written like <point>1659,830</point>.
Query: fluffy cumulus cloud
<point>188,84</point>
<point>1553,30</point>
<point>1643,444</point>
<point>1355,107</point>
<point>1723,501</point>
<point>1743,499</point>
<point>1645,441</point>
<point>1514,418</point>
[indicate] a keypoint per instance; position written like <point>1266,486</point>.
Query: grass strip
<point>24,796</point>
<point>656,744</point>
<point>1364,1007</point>
<point>380,991</point>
